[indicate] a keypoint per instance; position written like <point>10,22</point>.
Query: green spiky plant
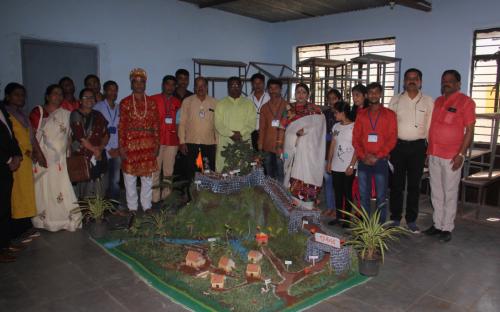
<point>158,222</point>
<point>369,236</point>
<point>94,208</point>
<point>135,227</point>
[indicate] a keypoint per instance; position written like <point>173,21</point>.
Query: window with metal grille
<point>345,51</point>
<point>485,79</point>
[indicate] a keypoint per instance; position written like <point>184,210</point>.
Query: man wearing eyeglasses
<point>414,112</point>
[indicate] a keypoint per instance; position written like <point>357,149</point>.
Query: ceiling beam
<point>421,5</point>
<point>212,3</point>
<point>285,8</point>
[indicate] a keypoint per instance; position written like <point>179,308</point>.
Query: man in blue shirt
<point>111,111</point>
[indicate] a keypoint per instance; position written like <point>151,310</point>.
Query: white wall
<point>433,42</point>
<point>158,35</point>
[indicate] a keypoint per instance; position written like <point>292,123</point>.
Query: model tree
<point>240,155</point>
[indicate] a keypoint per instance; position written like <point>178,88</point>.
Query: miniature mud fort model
<point>239,245</point>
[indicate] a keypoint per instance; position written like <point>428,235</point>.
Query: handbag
<point>78,168</point>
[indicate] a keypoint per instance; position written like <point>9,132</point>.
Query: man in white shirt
<point>414,112</point>
<point>259,97</point>
<point>111,112</point>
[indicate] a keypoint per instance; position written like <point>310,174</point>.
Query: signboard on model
<point>327,240</point>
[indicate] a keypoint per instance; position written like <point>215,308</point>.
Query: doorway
<point>45,62</point>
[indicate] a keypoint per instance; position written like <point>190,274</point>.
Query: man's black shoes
<point>445,236</point>
<point>432,231</point>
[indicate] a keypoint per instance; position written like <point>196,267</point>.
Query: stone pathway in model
<point>291,278</point>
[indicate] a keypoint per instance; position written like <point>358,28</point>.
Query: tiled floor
<point>67,272</point>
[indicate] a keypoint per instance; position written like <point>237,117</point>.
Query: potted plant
<point>93,209</point>
<point>370,238</point>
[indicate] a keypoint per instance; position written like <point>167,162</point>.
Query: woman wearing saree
<point>55,198</point>
<point>304,149</point>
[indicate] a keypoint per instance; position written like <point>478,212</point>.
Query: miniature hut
<point>226,264</point>
<point>217,281</point>
<point>195,259</point>
<point>253,270</point>
<point>254,256</point>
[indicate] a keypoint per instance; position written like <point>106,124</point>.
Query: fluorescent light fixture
<point>493,219</point>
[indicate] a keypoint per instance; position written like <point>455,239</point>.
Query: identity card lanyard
<point>275,121</point>
<point>113,118</point>
<point>112,128</point>
<point>168,109</point>
<point>372,137</point>
<point>260,103</point>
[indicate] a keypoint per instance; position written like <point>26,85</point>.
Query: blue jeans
<point>329,195</point>
<point>380,170</point>
<point>274,166</point>
<point>327,177</point>
<point>112,178</point>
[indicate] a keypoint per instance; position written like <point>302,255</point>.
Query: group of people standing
<point>374,151</point>
<point>372,141</point>
<point>150,137</point>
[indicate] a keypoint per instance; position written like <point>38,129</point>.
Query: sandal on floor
<point>26,240</point>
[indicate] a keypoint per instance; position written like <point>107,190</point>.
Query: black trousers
<point>6,182</point>
<point>207,152</point>
<point>255,140</point>
<point>342,185</point>
<point>20,227</point>
<point>408,158</point>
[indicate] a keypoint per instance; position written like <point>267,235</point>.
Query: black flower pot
<point>368,267</point>
<point>98,229</point>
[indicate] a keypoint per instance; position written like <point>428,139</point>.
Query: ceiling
<point>286,10</point>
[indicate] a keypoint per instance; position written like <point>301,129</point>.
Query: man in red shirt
<point>450,135</point>
<point>167,105</point>
<point>374,136</point>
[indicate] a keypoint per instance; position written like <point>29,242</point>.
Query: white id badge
<point>372,138</point>
<point>168,120</point>
<point>275,123</point>
<point>202,114</point>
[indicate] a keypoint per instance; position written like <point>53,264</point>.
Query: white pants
<point>130,182</point>
<point>444,184</point>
